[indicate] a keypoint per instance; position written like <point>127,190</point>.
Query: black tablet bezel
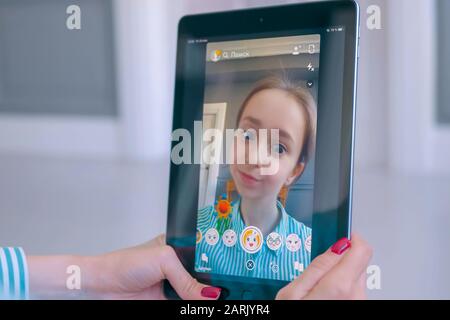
<point>328,225</point>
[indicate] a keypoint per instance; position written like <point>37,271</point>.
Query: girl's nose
<point>258,155</point>
<point>264,157</point>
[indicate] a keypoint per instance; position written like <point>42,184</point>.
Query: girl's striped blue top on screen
<point>218,255</point>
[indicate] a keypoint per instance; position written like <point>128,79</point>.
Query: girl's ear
<point>297,172</point>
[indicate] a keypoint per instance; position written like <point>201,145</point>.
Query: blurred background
<point>85,123</point>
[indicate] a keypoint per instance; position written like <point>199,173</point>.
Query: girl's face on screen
<point>269,109</point>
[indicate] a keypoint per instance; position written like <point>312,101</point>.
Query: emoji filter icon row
<point>251,240</point>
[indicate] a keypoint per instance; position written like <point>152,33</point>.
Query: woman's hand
<point>137,273</point>
<point>133,273</point>
<point>339,273</point>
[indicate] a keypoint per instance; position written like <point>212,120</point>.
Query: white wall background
<point>145,34</point>
<point>81,185</point>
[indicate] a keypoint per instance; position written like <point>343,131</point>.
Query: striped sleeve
<point>13,274</point>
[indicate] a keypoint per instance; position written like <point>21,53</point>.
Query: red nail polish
<point>341,246</point>
<point>211,292</point>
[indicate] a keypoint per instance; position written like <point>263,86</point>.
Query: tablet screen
<point>261,151</point>
<point>262,147</point>
<point>256,179</point>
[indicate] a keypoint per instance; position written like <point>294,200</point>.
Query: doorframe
<point>219,109</point>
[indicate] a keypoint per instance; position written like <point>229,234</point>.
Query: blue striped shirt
<point>13,274</point>
<point>283,260</point>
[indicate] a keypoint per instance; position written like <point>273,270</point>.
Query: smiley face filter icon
<point>251,239</point>
<point>274,241</point>
<point>229,238</point>
<point>293,242</point>
<point>212,237</point>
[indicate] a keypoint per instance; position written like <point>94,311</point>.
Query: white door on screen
<point>213,118</point>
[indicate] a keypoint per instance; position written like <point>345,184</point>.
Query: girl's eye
<point>248,135</point>
<point>279,148</point>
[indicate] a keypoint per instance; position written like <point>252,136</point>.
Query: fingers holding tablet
<point>184,284</point>
<point>334,274</point>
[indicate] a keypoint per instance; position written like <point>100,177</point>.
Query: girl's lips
<point>246,178</point>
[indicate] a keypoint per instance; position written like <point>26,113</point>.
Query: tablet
<point>262,143</point>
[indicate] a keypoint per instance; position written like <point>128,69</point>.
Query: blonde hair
<point>304,99</point>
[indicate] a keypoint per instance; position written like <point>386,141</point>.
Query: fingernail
<point>211,292</point>
<point>341,246</point>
